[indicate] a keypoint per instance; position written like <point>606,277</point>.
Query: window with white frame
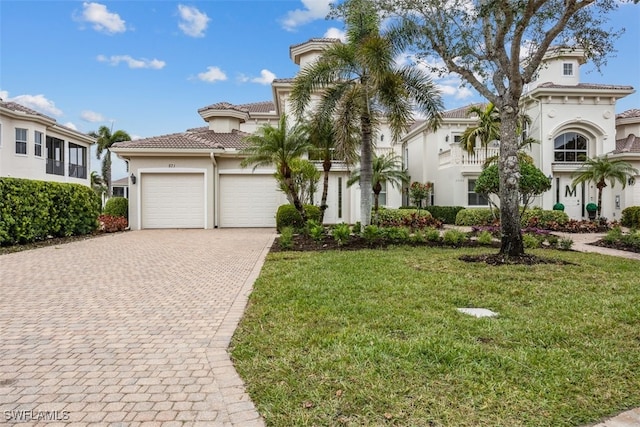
<point>382,197</point>
<point>55,156</point>
<point>473,198</point>
<point>77,161</point>
<point>37,143</point>
<point>567,69</point>
<point>21,141</point>
<point>570,147</point>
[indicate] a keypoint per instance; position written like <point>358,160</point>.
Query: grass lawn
<point>373,337</point>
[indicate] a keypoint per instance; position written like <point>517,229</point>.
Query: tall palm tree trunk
<point>288,179</point>
<point>366,170</point>
<point>600,187</point>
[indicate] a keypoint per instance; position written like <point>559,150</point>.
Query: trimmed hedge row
<point>534,217</point>
<point>32,210</point>
<point>631,217</point>
<point>446,214</point>
<point>288,216</point>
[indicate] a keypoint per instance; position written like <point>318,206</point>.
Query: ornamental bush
<point>540,218</point>
<point>288,216</point>
<point>32,210</point>
<point>117,206</point>
<point>446,214</point>
<point>411,218</point>
<point>475,216</point>
<point>631,217</point>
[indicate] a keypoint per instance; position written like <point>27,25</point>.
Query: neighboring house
<point>194,179</point>
<point>35,146</point>
<point>120,187</point>
<point>571,120</point>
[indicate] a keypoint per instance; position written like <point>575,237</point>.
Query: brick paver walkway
<point>128,330</point>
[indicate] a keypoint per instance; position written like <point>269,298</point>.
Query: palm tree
<point>487,129</point>
<point>278,147</point>
<point>386,168</point>
<point>105,139</point>
<point>322,136</point>
<point>97,184</point>
<point>602,169</point>
<point>359,82</point>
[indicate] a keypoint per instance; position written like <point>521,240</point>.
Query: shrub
<point>371,233</point>
<point>631,217</point>
<point>316,230</point>
<point>418,237</point>
<point>453,237</point>
<point>485,238</point>
<point>117,206</point>
<point>558,207</point>
<point>288,216</point>
<point>286,238</point>
<point>410,218</point>
<point>552,239</point>
<point>591,207</point>
<point>112,224</point>
<point>446,214</point>
<point>432,234</point>
<point>396,234</point>
<point>530,241</point>
<point>539,218</point>
<point>33,210</point>
<point>341,233</point>
<point>474,216</point>
<point>565,243</point>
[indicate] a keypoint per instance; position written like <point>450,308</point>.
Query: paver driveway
<point>127,330</point>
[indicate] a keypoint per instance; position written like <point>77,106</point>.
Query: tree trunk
<point>326,166</point>
<point>366,171</point>
<point>294,194</point>
<point>600,186</point>
<point>106,172</point>
<point>377,188</point>
<point>509,172</point>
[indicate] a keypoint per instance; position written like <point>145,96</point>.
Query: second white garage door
<point>249,201</point>
<point>172,200</point>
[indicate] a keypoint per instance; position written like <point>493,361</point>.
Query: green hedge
<point>631,217</point>
<point>117,206</point>
<point>288,216</point>
<point>533,217</point>
<point>33,210</point>
<point>446,214</point>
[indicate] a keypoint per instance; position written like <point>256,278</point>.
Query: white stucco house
<point>570,119</point>
<point>35,146</point>
<point>193,179</point>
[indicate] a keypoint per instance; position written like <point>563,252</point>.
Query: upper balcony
<point>455,156</point>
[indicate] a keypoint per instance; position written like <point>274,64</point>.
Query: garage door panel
<point>173,200</point>
<point>249,200</point>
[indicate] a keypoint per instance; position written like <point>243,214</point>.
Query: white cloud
<point>313,9</point>
<point>92,116</point>
<point>154,64</point>
<point>335,33</point>
<point>102,20</point>
<point>192,22</point>
<point>242,78</point>
<point>266,77</point>
<point>70,126</point>
<point>212,74</point>
<point>36,102</point>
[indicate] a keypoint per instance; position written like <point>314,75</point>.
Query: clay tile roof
<point>630,144</point>
<point>284,80</point>
<point>317,39</point>
<point>222,106</point>
<point>635,112</point>
<point>459,113</point>
<point>259,107</point>
<point>14,106</point>
<point>196,138</point>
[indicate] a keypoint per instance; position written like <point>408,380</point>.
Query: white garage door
<point>172,200</point>
<point>249,201</point>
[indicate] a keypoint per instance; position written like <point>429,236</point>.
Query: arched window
<point>570,147</point>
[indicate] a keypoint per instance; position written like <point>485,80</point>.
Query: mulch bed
<point>619,246</point>
<point>53,241</point>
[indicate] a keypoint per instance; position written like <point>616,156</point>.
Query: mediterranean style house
<point>194,179</point>
<point>35,146</point>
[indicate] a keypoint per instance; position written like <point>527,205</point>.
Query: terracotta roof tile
<point>630,144</point>
<point>259,107</point>
<point>633,113</point>
<point>317,39</point>
<point>460,113</point>
<point>284,80</point>
<point>14,106</point>
<point>196,138</point>
<point>223,106</point>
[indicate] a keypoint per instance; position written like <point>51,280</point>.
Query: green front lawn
<point>373,338</point>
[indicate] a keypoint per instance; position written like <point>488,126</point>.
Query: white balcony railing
<point>457,156</point>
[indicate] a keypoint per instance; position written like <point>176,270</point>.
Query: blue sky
<point>147,66</point>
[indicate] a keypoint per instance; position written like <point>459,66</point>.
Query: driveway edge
<point>237,403</point>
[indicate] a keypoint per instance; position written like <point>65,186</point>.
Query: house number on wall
<point>172,165</point>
